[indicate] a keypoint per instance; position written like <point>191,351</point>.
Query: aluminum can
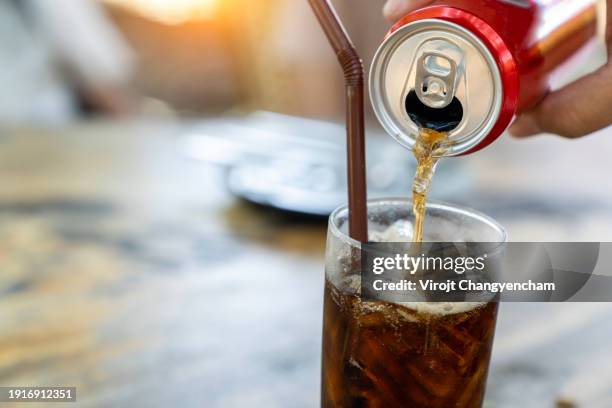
<point>469,67</point>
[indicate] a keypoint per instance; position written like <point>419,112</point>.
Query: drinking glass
<point>384,354</point>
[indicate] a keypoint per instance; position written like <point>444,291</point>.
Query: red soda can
<point>469,66</point>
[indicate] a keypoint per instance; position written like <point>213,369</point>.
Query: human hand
<point>573,111</point>
<point>577,109</point>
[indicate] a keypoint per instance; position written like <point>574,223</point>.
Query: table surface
<point>130,273</point>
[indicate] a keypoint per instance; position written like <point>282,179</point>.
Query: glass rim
<point>439,205</point>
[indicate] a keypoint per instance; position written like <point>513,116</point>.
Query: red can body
<point>529,40</point>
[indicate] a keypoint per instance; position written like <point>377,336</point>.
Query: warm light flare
<point>171,11</point>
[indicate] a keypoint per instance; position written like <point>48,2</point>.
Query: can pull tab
<point>436,79</point>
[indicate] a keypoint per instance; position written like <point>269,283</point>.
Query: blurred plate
<point>299,165</point>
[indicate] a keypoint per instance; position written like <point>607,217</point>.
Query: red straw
<point>355,129</point>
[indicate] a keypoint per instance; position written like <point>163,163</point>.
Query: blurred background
<point>166,167</point>
<point>185,57</point>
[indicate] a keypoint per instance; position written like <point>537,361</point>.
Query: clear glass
<point>381,354</point>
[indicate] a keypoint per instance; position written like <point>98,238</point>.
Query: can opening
<point>439,119</point>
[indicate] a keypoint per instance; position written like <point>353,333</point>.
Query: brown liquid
<point>427,151</point>
<point>378,354</point>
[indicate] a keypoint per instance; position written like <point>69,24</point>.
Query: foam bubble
<point>399,231</point>
<point>442,308</point>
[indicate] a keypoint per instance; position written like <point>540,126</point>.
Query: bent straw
<point>355,129</point>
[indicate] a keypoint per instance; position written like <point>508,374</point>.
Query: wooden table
<point>128,272</point>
